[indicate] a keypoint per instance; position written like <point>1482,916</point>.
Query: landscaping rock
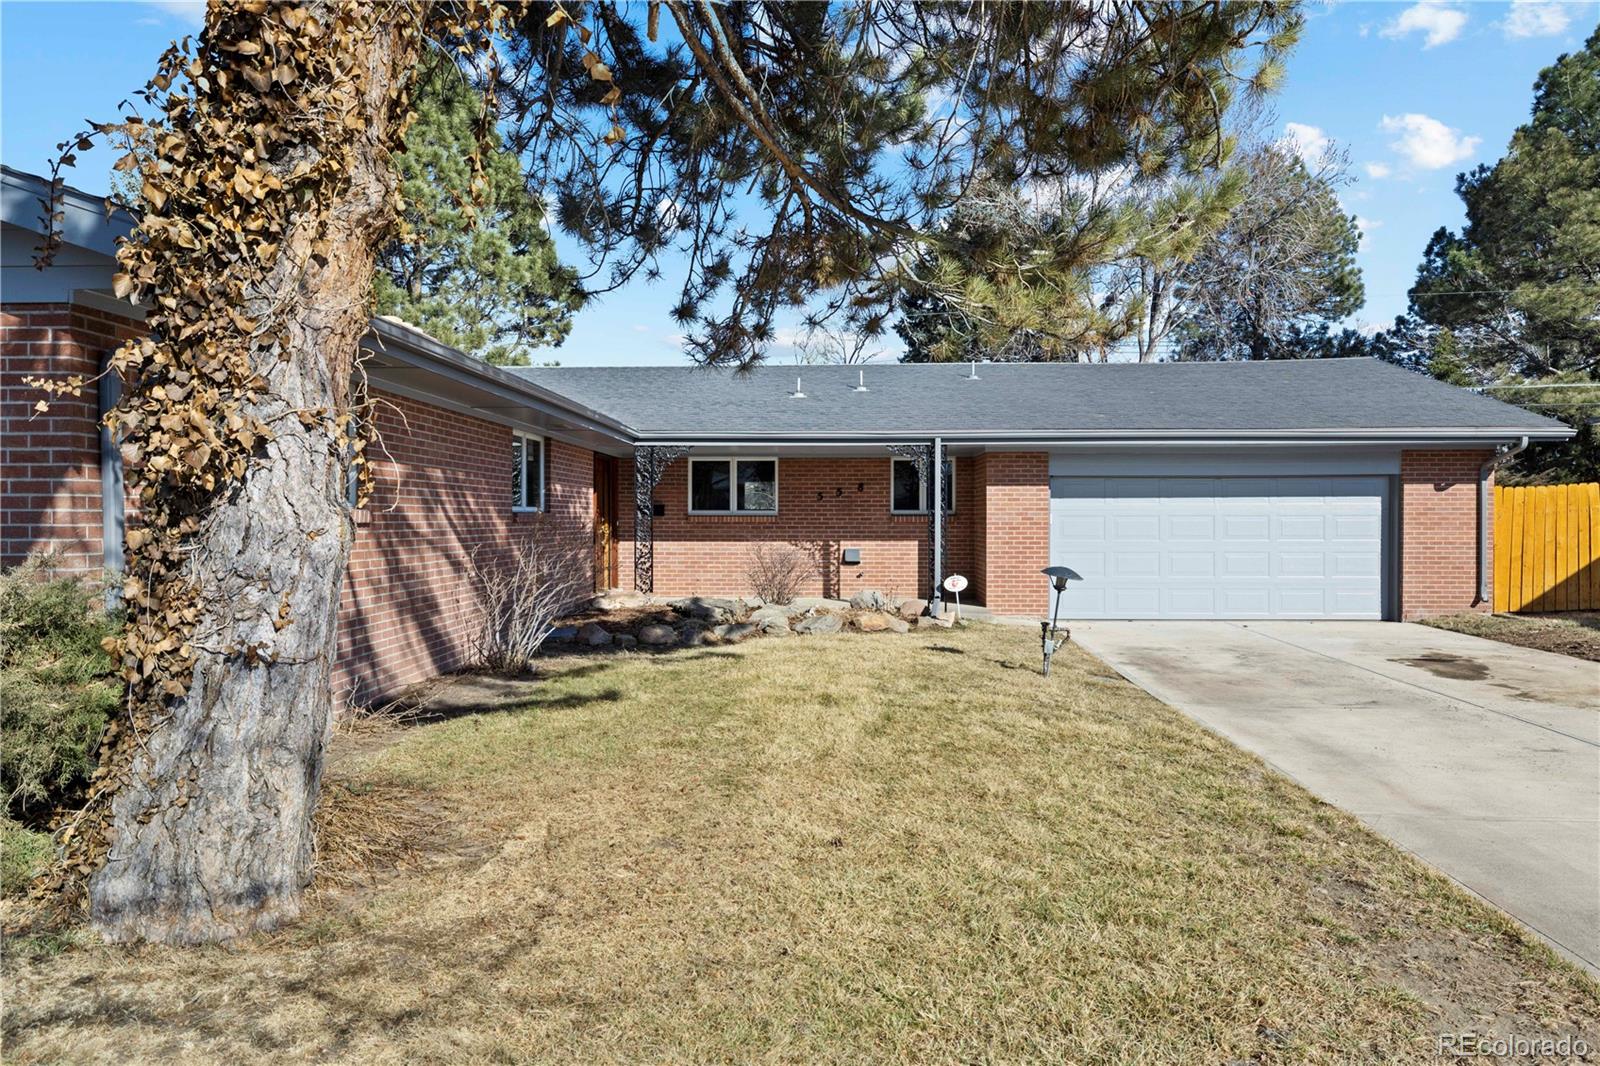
<point>562,635</point>
<point>929,622</point>
<point>802,604</point>
<point>875,622</point>
<point>657,635</point>
<point>770,619</point>
<point>912,609</point>
<point>626,641</point>
<point>753,603</point>
<point>692,635</point>
<point>897,624</point>
<point>733,632</point>
<point>868,600</point>
<point>708,608</point>
<point>594,634</point>
<point>820,623</point>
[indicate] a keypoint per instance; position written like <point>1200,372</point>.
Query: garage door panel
<point>1246,564</point>
<point>1356,527</point>
<point>1083,528</point>
<point>1246,527</point>
<point>1190,602</point>
<point>1353,564</point>
<point>1248,601</point>
<point>1137,526</point>
<point>1181,527</point>
<point>1312,527</point>
<point>1136,564</point>
<point>1133,602</point>
<point>1302,564</point>
<point>1228,547</point>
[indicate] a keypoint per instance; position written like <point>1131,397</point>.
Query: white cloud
<point>1308,142</point>
<point>1439,23</point>
<point>639,327</point>
<point>190,11</point>
<point>1378,170</point>
<point>1367,225</point>
<point>1536,18</point>
<point>1426,142</point>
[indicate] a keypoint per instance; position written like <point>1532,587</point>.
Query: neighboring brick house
<point>1315,489</point>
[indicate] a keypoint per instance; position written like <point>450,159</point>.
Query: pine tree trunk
<point>211,833</point>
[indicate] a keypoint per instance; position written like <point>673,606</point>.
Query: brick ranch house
<point>1319,489</point>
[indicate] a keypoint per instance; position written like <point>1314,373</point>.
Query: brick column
<point>1439,533</point>
<point>1014,542</point>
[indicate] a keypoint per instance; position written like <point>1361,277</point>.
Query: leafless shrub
<point>521,596</point>
<point>777,571</point>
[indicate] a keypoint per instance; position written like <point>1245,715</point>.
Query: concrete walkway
<point>1481,758</point>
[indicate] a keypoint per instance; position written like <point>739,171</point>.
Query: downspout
<point>113,500</point>
<point>936,502</point>
<point>1501,454</point>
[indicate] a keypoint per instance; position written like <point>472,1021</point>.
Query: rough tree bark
<point>211,832</point>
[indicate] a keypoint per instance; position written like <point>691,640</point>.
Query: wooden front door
<point>605,523</point>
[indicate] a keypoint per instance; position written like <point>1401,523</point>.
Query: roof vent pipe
<point>797,394</point>
<point>973,374</point>
<point>861,382</point>
<point>1501,454</point>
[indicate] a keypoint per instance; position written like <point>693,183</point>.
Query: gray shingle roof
<point>1301,397</point>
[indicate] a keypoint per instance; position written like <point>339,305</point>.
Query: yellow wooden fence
<point>1547,547</point>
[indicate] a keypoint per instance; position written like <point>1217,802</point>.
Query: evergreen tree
<point>1514,298</point>
<point>1519,285</point>
<point>482,277</point>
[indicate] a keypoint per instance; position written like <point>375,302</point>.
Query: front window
<point>907,493</point>
<point>527,473</point>
<point>733,486</point>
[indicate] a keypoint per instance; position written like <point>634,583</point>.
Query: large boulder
<point>871,622</point>
<point>868,600</point>
<point>733,632</point>
<point>820,623</point>
<point>594,634</point>
<point>770,619</point>
<point>708,608</point>
<point>929,622</point>
<point>562,635</point>
<point>753,603</point>
<point>625,641</point>
<point>911,609</point>
<point>897,624</point>
<point>658,635</point>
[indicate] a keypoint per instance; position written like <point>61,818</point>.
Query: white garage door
<point>1220,547</point>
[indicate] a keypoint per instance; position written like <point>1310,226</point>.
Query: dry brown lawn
<point>827,849</point>
<point>1574,633</point>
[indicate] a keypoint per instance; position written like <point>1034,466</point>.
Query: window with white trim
<point>527,472</point>
<point>733,486</point>
<point>907,493</point>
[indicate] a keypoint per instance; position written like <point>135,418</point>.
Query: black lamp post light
<point>1051,635</point>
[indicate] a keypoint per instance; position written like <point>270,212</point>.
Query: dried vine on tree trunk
<point>269,189</point>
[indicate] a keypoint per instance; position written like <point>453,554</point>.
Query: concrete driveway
<point>1481,758</point>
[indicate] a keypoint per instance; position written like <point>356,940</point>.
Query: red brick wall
<point>710,553</point>
<point>1016,536</point>
<point>1438,533</point>
<point>50,462</point>
<point>442,494</point>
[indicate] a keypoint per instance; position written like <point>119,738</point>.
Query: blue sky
<point>1416,92</point>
